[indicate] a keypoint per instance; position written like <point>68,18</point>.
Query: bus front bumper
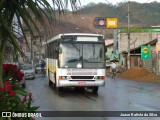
<point>71,83</point>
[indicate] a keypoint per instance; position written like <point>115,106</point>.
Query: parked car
<point>38,68</point>
<point>22,83</point>
<point>29,71</point>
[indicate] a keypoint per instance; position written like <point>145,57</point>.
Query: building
<point>140,37</point>
<point>109,47</point>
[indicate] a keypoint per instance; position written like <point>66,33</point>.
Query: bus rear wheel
<point>50,83</point>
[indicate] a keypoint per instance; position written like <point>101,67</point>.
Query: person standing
<point>113,69</point>
<point>43,65</point>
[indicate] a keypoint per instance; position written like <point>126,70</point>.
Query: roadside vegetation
<point>137,10</point>
<point>14,14</point>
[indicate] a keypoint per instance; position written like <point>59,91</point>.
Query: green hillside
<point>146,14</point>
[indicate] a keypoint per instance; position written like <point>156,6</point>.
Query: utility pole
<point>128,56</point>
<point>115,41</point>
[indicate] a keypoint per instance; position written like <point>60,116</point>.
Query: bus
<point>76,60</point>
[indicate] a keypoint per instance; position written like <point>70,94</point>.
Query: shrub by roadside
<point>12,97</point>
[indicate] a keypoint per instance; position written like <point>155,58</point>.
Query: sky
<point>85,2</point>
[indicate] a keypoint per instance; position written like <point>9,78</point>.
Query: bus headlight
<point>60,77</point>
<point>100,77</point>
<point>64,77</point>
<point>103,77</point>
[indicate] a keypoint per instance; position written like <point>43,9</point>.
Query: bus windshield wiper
<point>91,60</point>
<point>73,60</point>
<point>75,47</point>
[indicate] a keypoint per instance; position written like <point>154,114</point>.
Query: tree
<point>21,9</point>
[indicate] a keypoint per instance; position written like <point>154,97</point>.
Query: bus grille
<point>82,77</point>
<point>81,72</point>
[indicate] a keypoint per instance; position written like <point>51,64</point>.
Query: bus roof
<point>74,34</point>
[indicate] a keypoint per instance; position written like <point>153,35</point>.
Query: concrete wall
<point>140,38</point>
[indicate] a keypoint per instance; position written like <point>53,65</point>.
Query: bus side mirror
<point>56,49</point>
<point>60,49</point>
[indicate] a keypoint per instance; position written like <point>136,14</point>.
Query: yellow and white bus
<point>76,60</point>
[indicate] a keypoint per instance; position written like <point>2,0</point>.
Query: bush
<point>12,97</point>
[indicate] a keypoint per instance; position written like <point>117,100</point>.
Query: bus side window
<point>49,51</point>
<point>100,53</point>
<point>54,50</point>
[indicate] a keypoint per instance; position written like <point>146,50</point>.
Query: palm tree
<point>21,9</point>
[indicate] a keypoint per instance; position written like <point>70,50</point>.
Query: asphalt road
<point>117,95</point>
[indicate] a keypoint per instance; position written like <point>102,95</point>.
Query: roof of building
<point>108,42</point>
<point>138,48</point>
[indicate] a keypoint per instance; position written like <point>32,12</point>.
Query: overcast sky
<point>85,2</point>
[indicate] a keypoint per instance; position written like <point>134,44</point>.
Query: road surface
<point>117,95</point>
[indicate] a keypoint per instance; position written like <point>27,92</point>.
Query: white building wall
<point>140,38</point>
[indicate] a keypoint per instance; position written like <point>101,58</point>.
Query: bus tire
<point>95,89</point>
<point>50,83</point>
<point>55,84</point>
<point>59,89</point>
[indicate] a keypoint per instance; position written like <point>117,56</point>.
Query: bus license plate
<point>81,83</point>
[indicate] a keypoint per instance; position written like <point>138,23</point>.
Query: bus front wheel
<point>59,89</point>
<point>50,83</point>
<point>95,89</point>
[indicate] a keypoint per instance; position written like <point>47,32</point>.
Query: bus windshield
<point>81,55</point>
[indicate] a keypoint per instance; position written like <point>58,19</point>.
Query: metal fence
<point>153,65</point>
